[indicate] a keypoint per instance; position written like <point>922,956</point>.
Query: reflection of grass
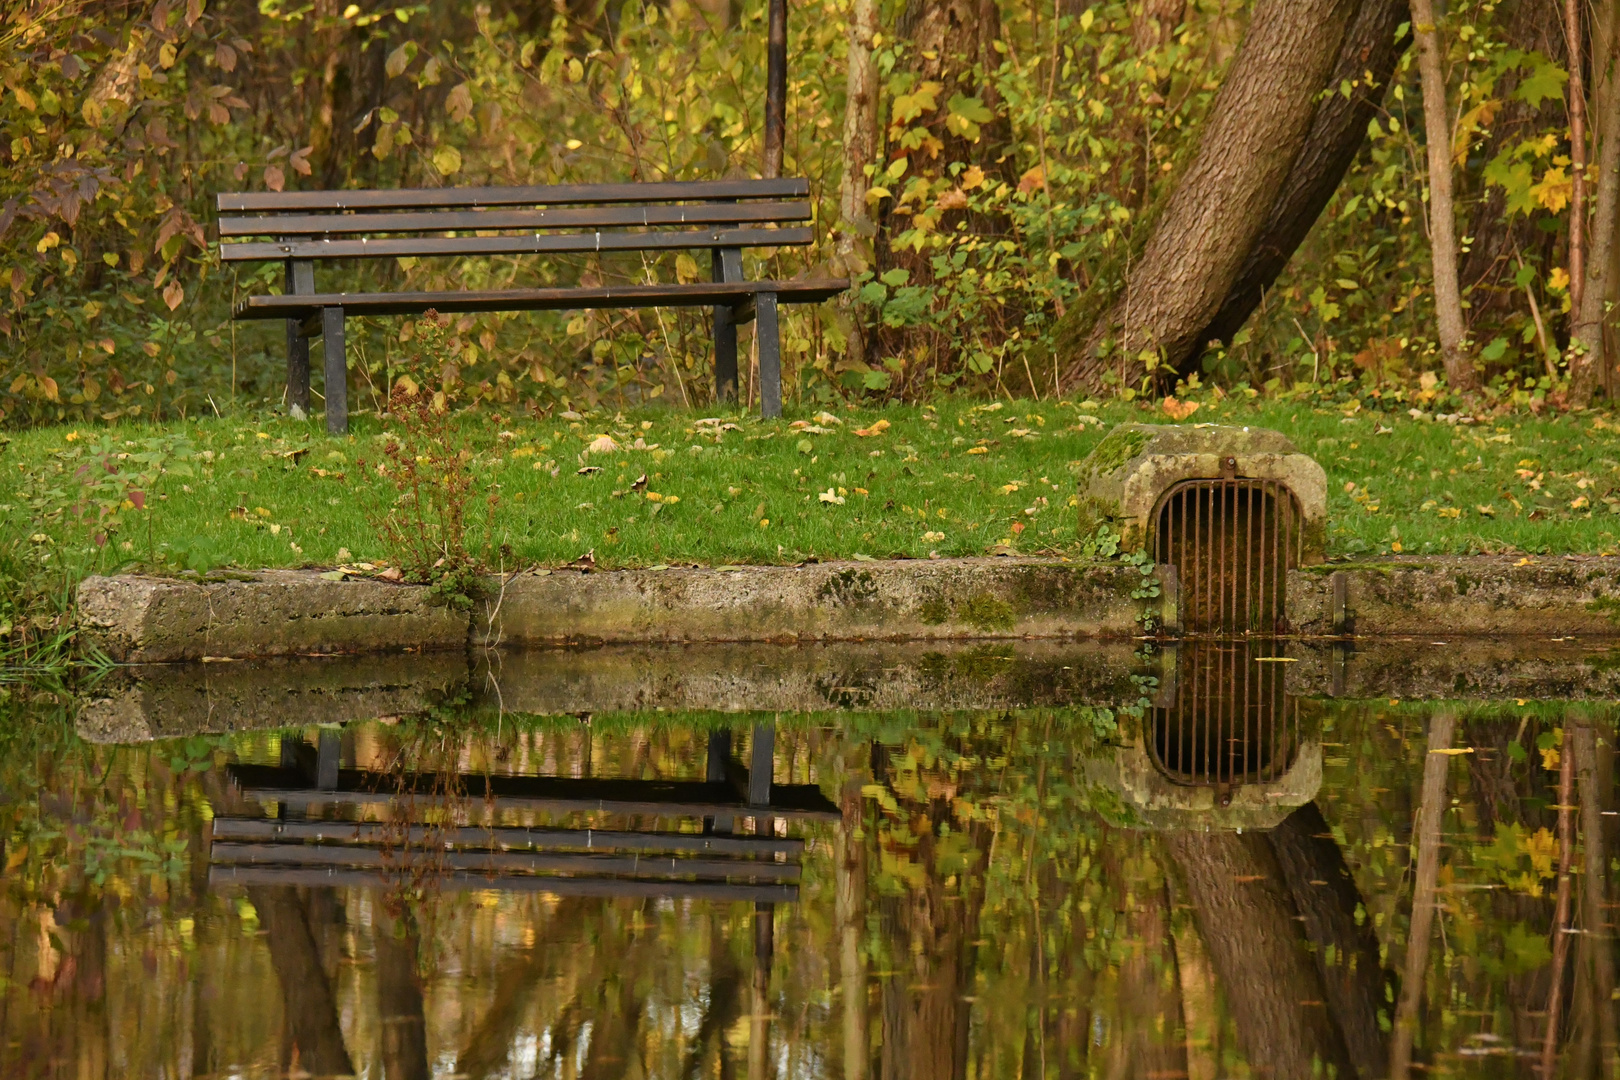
<point>956,480</point>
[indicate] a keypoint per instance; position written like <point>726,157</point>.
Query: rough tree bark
<point>1259,121</point>
<point>1442,208</point>
<point>1367,60</point>
<point>1592,364</point>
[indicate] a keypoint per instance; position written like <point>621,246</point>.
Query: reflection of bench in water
<point>713,864</point>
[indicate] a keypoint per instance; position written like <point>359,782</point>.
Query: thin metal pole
<point>775,87</point>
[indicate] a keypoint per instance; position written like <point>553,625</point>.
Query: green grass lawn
<point>962,478</point>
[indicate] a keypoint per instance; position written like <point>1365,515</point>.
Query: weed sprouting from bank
<point>430,526</point>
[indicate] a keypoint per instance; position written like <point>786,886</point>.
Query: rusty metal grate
<point>1232,541</point>
<point>1229,721</point>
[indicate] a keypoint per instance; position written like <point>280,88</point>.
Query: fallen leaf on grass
<point>602,444</point>
<point>393,573</point>
<point>979,450</point>
<point>877,428</point>
<point>831,497</point>
<point>587,470</point>
<point>1178,410</point>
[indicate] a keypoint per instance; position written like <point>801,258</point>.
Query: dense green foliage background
<point>1000,198</point>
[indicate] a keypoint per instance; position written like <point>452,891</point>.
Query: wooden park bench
<point>301,228</point>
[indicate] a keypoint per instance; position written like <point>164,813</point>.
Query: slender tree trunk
<point>1575,36</point>
<point>855,230</point>
<point>1442,209</point>
<point>849,854</point>
<point>1560,939</point>
<point>1593,1015</point>
<point>1256,127</point>
<point>1338,130</point>
<point>1431,811</point>
<point>1591,358</point>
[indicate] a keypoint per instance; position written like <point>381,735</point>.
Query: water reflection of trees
<point>983,910</point>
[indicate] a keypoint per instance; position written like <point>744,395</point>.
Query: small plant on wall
<point>431,526</point>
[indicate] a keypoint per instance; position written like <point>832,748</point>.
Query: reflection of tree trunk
<point>1431,809</point>
<point>931,931</point>
<point>487,1048</point>
<point>309,1008</point>
<point>1147,1038</point>
<point>725,992</point>
<point>1496,788</point>
<point>1346,954</point>
<point>1247,921</point>
<point>1592,1013</point>
<point>849,864</point>
<point>399,999</point>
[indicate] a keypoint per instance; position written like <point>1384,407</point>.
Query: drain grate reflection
<point>1228,719</point>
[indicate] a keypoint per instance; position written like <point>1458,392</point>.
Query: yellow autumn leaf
<point>1558,280</point>
<point>1554,191</point>
<point>447,159</point>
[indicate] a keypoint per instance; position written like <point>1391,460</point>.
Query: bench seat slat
<point>459,880</point>
<point>566,217</point>
<point>539,243</point>
<point>520,836</point>
<point>540,195</point>
<point>231,853</point>
<point>698,294</point>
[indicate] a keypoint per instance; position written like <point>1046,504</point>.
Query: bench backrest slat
<point>546,195</point>
<point>568,217</point>
<point>534,243</point>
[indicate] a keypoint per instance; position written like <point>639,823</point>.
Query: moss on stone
<point>984,612</point>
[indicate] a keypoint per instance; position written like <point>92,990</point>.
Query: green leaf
<point>1544,80</point>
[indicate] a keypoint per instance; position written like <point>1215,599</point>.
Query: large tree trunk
<point>1338,129</point>
<point>1246,918</point>
<point>1256,127</point>
<point>309,1007</point>
<point>399,999</point>
<point>1347,956</point>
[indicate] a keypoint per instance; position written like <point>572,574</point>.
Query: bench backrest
<point>416,222</point>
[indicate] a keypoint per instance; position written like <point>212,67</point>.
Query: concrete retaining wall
<point>287,612</point>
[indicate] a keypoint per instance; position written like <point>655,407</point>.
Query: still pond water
<point>1171,886</point>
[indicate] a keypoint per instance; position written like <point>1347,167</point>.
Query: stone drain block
<point>1225,511</point>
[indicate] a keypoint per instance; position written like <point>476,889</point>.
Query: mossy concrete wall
<point>291,613</point>
<point>136,619</point>
<point>919,600</point>
<point>1441,597</point>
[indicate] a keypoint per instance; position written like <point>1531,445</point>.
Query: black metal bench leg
<point>770,356</point>
<point>299,278</point>
<point>297,370</point>
<point>725,264</point>
<point>337,372</point>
